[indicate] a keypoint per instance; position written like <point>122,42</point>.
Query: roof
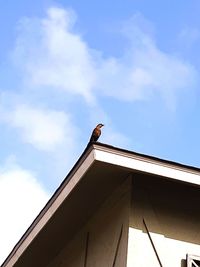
<point>96,160</point>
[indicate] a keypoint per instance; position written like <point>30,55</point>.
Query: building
<point>117,208</point>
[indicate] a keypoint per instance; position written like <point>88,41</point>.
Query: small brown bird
<point>96,133</point>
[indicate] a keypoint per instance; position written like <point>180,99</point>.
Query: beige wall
<point>172,216</point>
<point>103,239</point>
<point>156,220</point>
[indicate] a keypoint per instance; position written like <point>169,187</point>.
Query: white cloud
<point>145,70</point>
<point>21,199</point>
<point>43,128</point>
<point>53,55</point>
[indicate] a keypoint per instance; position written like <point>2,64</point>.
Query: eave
<point>103,156</point>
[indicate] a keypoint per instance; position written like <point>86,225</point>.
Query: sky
<point>66,66</point>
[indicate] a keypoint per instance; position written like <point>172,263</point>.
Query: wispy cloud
<point>43,128</point>
<point>145,70</point>
<point>52,55</point>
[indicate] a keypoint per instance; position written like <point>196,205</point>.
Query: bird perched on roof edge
<point>96,133</point>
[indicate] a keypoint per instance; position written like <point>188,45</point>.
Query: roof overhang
<point>100,168</point>
<point>147,164</point>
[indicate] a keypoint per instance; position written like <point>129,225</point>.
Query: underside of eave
<point>144,164</point>
<point>98,152</point>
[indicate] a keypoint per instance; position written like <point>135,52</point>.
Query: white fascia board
<point>147,165</point>
<point>50,209</point>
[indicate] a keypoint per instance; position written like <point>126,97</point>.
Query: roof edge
<point>144,156</point>
<point>87,151</point>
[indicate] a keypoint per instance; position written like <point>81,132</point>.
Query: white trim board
<point>146,165</point>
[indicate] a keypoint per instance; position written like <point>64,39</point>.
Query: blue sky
<point>66,66</point>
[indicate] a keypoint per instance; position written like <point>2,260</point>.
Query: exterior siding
<point>102,241</point>
<point>164,223</point>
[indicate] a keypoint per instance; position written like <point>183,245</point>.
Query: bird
<point>96,133</point>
